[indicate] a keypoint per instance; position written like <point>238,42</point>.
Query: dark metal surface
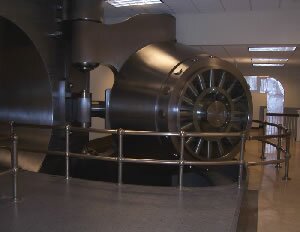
<point>30,68</point>
<point>82,109</point>
<point>34,75</point>
<point>171,87</point>
<point>23,69</point>
<point>98,109</point>
<point>50,203</point>
<point>89,10</point>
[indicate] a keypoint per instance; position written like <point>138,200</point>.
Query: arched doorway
<point>274,92</point>
<point>102,78</point>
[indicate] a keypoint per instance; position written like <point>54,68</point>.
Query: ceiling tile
<point>118,12</point>
<point>237,50</point>
<point>294,58</point>
<point>236,5</point>
<point>181,7</point>
<point>208,6</point>
<point>265,4</point>
<point>218,51</point>
<point>157,8</point>
<point>290,4</point>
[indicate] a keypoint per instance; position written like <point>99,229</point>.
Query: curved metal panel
<point>25,88</point>
<point>172,87</point>
<point>25,92</point>
<point>136,90</point>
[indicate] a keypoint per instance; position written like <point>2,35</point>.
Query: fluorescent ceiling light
<point>256,76</point>
<point>120,3</point>
<point>268,60</point>
<point>268,65</point>
<point>272,49</point>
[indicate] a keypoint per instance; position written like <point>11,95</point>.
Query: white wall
<point>291,85</point>
<point>232,28</point>
<point>290,80</point>
<point>102,78</point>
<point>258,99</point>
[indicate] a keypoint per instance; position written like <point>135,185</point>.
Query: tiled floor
<point>279,201</point>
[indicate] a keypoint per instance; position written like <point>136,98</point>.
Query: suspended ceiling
<point>202,6</point>
<point>226,28</point>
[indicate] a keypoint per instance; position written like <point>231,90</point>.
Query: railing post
<point>181,159</point>
<point>298,126</point>
<point>15,166</point>
<point>12,128</point>
<point>120,156</point>
<point>279,129</point>
<point>263,144</point>
<point>242,160</point>
<point>67,131</point>
<point>287,156</point>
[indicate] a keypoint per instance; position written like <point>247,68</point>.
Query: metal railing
<point>282,132</point>
<point>14,165</point>
<point>289,121</point>
<point>181,162</point>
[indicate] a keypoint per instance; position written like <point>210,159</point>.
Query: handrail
<point>282,115</point>
<point>181,162</point>
<point>269,124</point>
<point>9,171</point>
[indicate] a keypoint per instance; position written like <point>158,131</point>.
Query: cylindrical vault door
<point>171,87</point>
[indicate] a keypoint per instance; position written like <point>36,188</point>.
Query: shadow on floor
<point>249,212</point>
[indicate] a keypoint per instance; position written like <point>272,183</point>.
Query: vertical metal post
<point>67,174</point>
<point>120,156</point>
<point>15,166</point>
<point>12,128</point>
<point>242,160</point>
<point>279,129</point>
<point>287,156</point>
<point>181,159</point>
<point>263,144</point>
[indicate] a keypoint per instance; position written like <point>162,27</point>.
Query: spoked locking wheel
<point>213,101</point>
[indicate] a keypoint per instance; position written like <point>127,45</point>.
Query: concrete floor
<point>279,201</point>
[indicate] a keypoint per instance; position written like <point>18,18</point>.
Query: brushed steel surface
<point>25,85</point>
<point>26,93</point>
<point>171,87</point>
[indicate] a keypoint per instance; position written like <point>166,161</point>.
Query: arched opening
<point>272,88</point>
<point>101,79</point>
<point>273,92</point>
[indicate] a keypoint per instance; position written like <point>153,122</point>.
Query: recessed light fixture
<point>268,60</point>
<point>272,49</point>
<point>268,65</point>
<point>120,3</point>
